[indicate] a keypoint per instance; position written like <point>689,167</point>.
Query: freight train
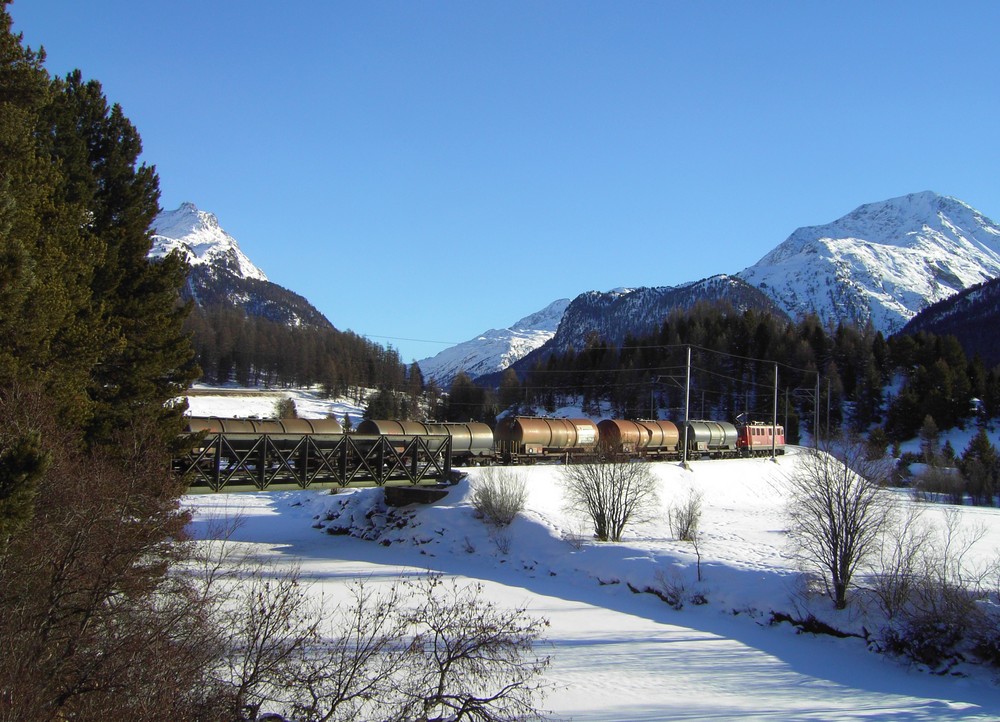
<point>520,439</point>
<point>245,454</point>
<point>528,439</point>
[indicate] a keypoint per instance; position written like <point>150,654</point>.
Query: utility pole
<point>816,416</point>
<point>687,406</point>
<point>774,418</point>
<point>828,407</point>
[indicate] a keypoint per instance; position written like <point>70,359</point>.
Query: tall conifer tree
<point>147,358</point>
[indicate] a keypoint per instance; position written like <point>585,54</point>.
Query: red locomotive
<point>757,438</point>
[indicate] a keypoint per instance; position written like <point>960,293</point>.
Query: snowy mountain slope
<point>221,274</point>
<point>639,311</point>
<point>496,349</point>
<point>972,316</point>
<point>198,235</point>
<point>612,315</point>
<point>883,262</point>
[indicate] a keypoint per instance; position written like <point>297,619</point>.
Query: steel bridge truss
<point>258,462</point>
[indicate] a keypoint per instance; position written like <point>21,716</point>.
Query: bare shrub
<point>420,649</point>
<point>685,516</point>
<point>901,562</point>
<point>670,588</point>
<point>499,495</point>
<point>937,483</point>
<point>503,540</point>
<point>610,495</point>
<point>931,593</point>
<point>467,658</point>
<point>838,510</point>
<point>285,409</point>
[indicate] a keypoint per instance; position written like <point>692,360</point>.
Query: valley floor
<point>619,655</point>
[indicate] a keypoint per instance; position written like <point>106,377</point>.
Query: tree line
<point>233,346</point>
<point>865,380</point>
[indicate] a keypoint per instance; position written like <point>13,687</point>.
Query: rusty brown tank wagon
<point>642,438</point>
<point>250,454</point>
<point>526,439</point>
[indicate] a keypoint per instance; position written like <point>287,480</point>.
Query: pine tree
<point>980,467</point>
<point>150,358</point>
<point>46,263</point>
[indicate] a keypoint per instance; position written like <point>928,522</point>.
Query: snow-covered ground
<point>617,654</point>
<point>231,402</point>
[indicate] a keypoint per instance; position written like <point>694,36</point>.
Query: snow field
<point>616,654</point>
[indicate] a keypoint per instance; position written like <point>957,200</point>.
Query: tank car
<point>757,438</point>
<point>714,439</point>
<point>219,425</point>
<point>525,439</point>
<point>471,443</point>
<point>640,438</point>
<point>244,447</point>
<point>242,435</point>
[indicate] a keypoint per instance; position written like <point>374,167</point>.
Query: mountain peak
<point>494,350</point>
<point>199,237</point>
<point>882,262</point>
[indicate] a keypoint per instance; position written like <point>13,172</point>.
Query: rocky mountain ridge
<point>615,315</point>
<point>221,274</point>
<point>972,316</point>
<point>197,235</point>
<point>496,349</point>
<point>881,263</point>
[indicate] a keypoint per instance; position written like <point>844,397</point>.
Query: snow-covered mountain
<point>221,274</point>
<point>198,235</point>
<point>623,312</point>
<point>496,349</point>
<point>883,262</point>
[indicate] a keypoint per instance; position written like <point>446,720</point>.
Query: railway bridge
<point>229,455</point>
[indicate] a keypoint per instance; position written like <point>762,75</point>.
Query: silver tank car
<point>470,443</point>
<point>715,439</point>
<point>219,425</point>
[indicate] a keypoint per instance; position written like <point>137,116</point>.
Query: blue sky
<point>430,170</point>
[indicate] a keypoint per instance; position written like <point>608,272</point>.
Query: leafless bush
<point>467,658</point>
<point>503,540</point>
<point>499,495</point>
<point>930,592</point>
<point>420,649</point>
<point>670,588</point>
<point>936,483</point>
<point>838,509</point>
<point>685,516</point>
<point>610,495</point>
<point>901,562</point>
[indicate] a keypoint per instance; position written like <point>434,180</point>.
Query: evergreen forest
<point>842,378</point>
<point>232,345</point>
